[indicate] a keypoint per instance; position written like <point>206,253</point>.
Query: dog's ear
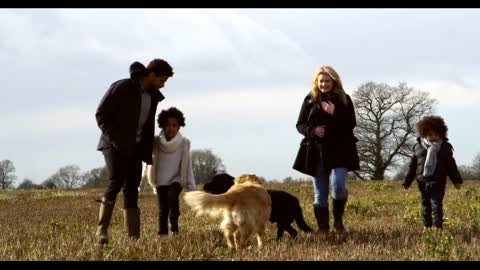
<point>224,177</point>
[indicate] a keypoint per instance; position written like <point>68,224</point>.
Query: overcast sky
<point>240,75</point>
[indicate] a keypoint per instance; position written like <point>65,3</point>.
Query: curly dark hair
<point>172,112</point>
<point>432,123</point>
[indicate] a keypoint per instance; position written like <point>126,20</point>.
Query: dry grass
<point>383,222</point>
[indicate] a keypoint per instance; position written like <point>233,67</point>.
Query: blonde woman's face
<point>325,83</point>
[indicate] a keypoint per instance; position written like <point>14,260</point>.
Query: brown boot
<point>104,217</point>
<point>132,222</point>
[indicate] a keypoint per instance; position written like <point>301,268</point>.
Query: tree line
<point>386,117</point>
<point>204,162</point>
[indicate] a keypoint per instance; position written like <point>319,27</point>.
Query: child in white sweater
<point>171,169</point>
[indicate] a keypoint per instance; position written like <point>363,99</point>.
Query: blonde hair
<point>315,93</point>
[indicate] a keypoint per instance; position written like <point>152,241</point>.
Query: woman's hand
<point>320,131</point>
<point>329,107</point>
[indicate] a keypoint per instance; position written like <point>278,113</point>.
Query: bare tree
<point>95,177</point>
<point>476,167</point>
<point>401,172</point>
<point>6,174</point>
<point>205,165</point>
<point>67,177</point>
<point>386,118</point>
<point>467,172</point>
<point>262,179</point>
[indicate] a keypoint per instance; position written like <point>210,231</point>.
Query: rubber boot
<point>132,222</point>
<point>321,214</point>
<point>104,217</point>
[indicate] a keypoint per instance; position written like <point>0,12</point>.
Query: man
<point>126,117</point>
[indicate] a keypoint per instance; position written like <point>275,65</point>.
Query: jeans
<point>124,171</point>
<point>338,177</point>
<point>168,207</point>
<point>431,195</point>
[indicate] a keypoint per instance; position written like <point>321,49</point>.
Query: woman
<point>328,150</point>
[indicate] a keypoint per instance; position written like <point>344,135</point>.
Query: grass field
<point>382,219</point>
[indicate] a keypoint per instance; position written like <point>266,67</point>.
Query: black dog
<point>285,207</point>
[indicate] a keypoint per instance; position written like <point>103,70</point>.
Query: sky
<point>240,75</point>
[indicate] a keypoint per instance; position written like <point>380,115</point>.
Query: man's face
<point>156,82</point>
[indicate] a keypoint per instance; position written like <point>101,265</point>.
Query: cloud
<point>240,75</point>
<point>450,93</point>
<point>64,54</point>
<point>251,130</point>
<point>56,122</point>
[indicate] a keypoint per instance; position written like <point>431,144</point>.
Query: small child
<point>432,161</point>
<point>171,168</point>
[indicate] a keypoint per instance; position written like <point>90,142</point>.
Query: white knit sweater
<point>167,163</point>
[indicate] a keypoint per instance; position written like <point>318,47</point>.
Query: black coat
<point>446,165</point>
<point>338,147</point>
<point>118,114</point>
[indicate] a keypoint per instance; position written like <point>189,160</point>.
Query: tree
<point>262,179</point>
<point>49,184</point>
<point>6,174</point>
<point>287,179</point>
<point>28,184</point>
<point>95,178</point>
<point>386,118</point>
<point>205,165</point>
<point>476,167</point>
<point>67,177</point>
<point>401,172</point>
<point>467,172</point>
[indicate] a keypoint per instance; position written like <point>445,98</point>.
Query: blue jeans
<point>338,177</point>
<point>431,195</point>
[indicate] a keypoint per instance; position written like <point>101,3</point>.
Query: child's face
<point>432,136</point>
<point>171,128</point>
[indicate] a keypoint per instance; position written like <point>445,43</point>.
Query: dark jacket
<point>338,147</point>
<point>446,165</point>
<point>118,114</point>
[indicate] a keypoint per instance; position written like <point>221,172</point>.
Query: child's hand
<point>457,186</point>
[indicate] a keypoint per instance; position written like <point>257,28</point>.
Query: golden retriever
<point>245,207</point>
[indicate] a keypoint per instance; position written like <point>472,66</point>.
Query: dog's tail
<point>205,203</point>
<point>299,219</point>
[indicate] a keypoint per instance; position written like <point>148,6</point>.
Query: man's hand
<point>320,131</point>
<point>457,186</point>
